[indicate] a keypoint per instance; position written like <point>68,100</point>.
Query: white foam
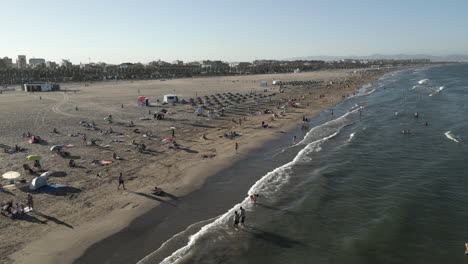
<point>267,186</point>
<point>450,136</point>
<point>423,81</point>
<point>351,136</point>
<point>437,91</point>
<point>338,121</point>
<point>364,94</point>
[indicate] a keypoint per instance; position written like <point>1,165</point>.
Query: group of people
<point>239,217</point>
<point>9,209</point>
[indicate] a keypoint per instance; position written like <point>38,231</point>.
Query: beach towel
<point>27,209</point>
<point>68,145</point>
<point>105,162</point>
<point>105,146</point>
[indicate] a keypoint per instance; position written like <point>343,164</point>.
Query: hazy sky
<point>144,30</point>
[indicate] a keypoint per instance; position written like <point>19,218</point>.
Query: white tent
<point>38,182</point>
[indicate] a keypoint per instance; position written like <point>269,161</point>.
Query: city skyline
<point>144,31</point>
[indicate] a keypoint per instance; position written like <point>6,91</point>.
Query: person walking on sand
<point>173,133</point>
<point>236,146</point>
<point>121,182</point>
<point>242,216</point>
<point>30,201</point>
<point>240,121</point>
<point>236,219</point>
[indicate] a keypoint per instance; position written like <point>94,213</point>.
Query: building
<point>40,87</point>
<point>36,62</point>
<point>239,64</point>
<point>178,62</point>
<point>7,62</point>
<point>209,64</point>
<point>51,64</point>
<point>21,62</point>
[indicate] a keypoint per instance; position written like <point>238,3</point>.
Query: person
<point>121,182</point>
<point>55,130</point>
<point>27,168</point>
<point>236,219</point>
<point>253,198</point>
<point>237,146</point>
<point>132,124</point>
<point>30,203</point>
<point>416,115</point>
<point>294,140</point>
<point>109,118</point>
<point>242,216</point>
<point>157,191</point>
<point>204,137</point>
<point>18,210</point>
<point>71,163</point>
<point>466,251</point>
<point>7,208</point>
<point>37,164</point>
<point>240,121</point>
<point>173,133</point>
<point>426,124</point>
<point>114,155</point>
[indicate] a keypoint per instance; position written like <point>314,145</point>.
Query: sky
<point>116,31</point>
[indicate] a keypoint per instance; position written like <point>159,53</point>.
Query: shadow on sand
<point>152,197</point>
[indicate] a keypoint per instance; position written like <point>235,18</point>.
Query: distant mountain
<point>451,58</point>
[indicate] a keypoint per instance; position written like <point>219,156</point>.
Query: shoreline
<point>68,245</point>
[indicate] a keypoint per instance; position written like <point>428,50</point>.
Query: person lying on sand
<point>157,191</point>
<point>27,168</point>
<point>71,163</point>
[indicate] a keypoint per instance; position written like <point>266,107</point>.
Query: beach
<point>91,208</point>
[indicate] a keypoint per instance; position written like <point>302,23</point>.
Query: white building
<point>36,62</point>
<point>40,87</point>
<point>21,62</point>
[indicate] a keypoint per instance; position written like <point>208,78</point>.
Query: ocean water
<point>355,189</point>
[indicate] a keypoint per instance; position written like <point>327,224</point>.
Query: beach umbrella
<point>56,148</point>
<point>33,157</point>
<point>11,175</point>
<point>167,139</point>
<point>198,111</point>
<point>288,103</point>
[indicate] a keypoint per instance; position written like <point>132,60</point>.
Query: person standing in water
<point>294,140</point>
<point>236,146</point>
<point>236,220</point>
<point>242,216</point>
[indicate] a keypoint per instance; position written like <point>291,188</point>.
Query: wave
<point>450,136</point>
<point>423,81</point>
<point>267,186</point>
<point>320,132</point>
<point>367,93</point>
<point>437,91</point>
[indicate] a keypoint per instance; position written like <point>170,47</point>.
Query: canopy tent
<point>143,100</point>
<point>33,157</point>
<point>11,175</point>
<point>38,182</point>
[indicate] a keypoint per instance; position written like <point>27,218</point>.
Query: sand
<point>92,208</point>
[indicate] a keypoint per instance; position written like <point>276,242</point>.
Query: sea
<point>355,188</point>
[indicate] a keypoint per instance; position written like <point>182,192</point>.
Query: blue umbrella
<point>198,111</point>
